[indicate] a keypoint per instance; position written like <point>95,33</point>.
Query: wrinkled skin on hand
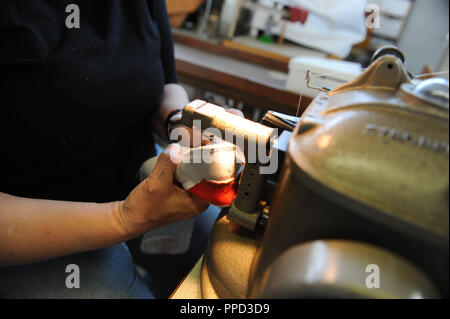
<point>157,201</point>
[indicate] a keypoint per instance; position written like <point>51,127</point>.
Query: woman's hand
<point>157,201</point>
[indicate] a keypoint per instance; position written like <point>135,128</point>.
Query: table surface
<point>190,287</point>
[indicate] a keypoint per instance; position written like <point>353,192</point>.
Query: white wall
<point>424,41</point>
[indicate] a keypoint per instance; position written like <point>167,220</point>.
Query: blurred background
<point>253,54</point>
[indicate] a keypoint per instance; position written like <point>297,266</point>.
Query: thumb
<point>165,167</point>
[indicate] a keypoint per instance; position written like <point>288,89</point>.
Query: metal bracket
<point>308,83</point>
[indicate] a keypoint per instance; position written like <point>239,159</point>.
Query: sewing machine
<point>358,206</point>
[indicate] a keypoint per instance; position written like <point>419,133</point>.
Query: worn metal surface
<point>368,162</point>
<point>344,269</point>
<point>379,150</point>
<point>227,261</point>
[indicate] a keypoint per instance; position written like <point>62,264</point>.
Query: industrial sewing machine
<point>359,205</point>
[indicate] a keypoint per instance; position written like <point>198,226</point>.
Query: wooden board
<point>221,50</point>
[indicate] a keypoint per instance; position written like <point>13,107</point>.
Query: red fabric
<point>298,15</point>
<point>218,194</point>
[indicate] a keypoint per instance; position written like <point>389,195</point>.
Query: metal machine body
<point>364,185</point>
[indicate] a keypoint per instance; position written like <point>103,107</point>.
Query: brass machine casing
<point>365,184</point>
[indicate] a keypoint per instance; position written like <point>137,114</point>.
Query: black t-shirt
<point>75,103</point>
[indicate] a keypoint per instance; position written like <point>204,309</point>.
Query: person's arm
<point>33,230</point>
<point>175,98</point>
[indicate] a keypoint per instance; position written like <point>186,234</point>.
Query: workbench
<point>244,75</point>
